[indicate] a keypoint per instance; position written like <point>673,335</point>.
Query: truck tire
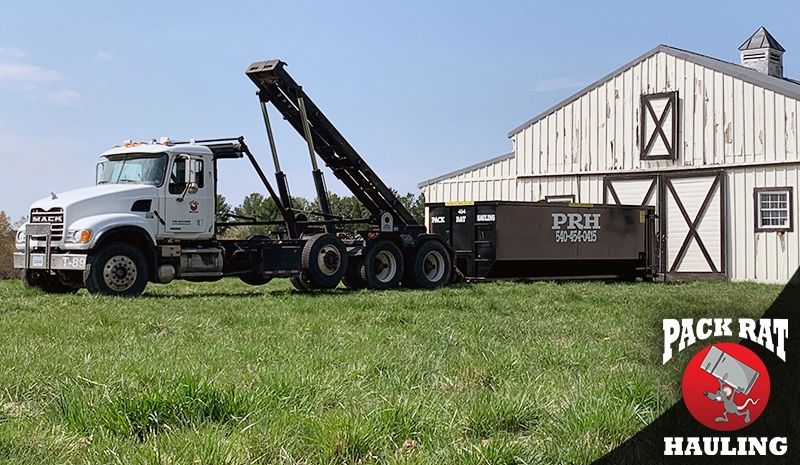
<point>352,278</point>
<point>41,280</point>
<point>430,266</point>
<point>254,279</point>
<point>116,269</point>
<point>301,283</point>
<point>324,261</point>
<point>383,265</point>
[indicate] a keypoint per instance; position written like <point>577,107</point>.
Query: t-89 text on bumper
<point>38,261</point>
<point>576,227</point>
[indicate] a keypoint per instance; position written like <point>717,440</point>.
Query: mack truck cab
<point>104,237</point>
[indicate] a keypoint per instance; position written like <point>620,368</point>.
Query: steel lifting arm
<point>235,148</point>
<point>277,87</point>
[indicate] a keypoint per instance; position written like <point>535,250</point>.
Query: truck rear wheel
<point>383,265</point>
<point>45,282</point>
<point>324,261</point>
<point>430,266</point>
<point>116,269</point>
<point>352,278</point>
<point>301,283</point>
<point>254,279</point>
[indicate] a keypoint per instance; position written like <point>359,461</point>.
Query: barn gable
<point>722,114</point>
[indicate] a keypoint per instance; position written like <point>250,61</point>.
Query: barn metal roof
<point>787,87</point>
<point>761,39</point>
<point>466,169</point>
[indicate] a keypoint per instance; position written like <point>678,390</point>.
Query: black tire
<point>254,279</point>
<point>430,266</point>
<point>300,282</point>
<point>324,261</point>
<point>352,278</point>
<point>383,265</point>
<point>45,282</point>
<point>116,269</point>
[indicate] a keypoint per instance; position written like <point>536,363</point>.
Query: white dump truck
<point>150,217</point>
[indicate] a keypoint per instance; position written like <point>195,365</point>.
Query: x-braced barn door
<point>636,189</point>
<point>693,219</point>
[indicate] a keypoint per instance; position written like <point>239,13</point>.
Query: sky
<point>419,88</point>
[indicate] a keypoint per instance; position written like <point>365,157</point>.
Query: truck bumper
<point>61,261</point>
<point>46,260</point>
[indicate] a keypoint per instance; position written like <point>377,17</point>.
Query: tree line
<point>262,208</point>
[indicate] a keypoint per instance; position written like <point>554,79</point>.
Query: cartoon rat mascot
<point>725,395</point>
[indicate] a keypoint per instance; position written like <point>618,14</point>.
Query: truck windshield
<point>134,168</point>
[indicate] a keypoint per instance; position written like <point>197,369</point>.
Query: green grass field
<point>227,373</point>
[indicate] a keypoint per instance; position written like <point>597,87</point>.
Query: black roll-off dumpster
<point>540,240</point>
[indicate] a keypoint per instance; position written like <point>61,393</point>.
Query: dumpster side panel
<point>553,232</point>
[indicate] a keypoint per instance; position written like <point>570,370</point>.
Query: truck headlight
<point>20,236</point>
<point>79,236</point>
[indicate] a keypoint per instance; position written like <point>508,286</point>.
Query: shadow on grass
<point>290,292</point>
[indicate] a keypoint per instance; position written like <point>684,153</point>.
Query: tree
<point>346,207</point>
<point>7,247</point>
<point>222,209</point>
<point>415,205</point>
<point>257,207</point>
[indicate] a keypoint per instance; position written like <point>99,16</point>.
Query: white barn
<point>712,145</point>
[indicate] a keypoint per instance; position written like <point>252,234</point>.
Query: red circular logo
<point>725,386</point>
<point>193,205</point>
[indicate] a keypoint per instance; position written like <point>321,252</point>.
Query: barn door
<point>693,218</point>
<point>631,190</point>
<point>637,189</point>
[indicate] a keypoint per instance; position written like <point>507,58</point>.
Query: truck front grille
<point>54,217</point>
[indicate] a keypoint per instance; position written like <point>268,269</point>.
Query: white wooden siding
<point>496,181</point>
<point>584,188</point>
<point>722,120</point>
<point>760,256</point>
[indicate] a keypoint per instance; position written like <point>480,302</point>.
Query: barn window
<point>658,126</point>
<point>773,209</point>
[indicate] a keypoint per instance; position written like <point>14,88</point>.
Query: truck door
<point>189,209</point>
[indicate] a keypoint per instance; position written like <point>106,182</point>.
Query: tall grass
<point>500,373</point>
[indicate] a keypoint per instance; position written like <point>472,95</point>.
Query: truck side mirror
<point>98,171</point>
<point>188,175</point>
<point>195,172</point>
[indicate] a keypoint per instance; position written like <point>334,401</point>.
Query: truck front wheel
<point>116,269</point>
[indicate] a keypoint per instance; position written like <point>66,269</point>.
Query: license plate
<point>73,262</point>
<point>37,261</point>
